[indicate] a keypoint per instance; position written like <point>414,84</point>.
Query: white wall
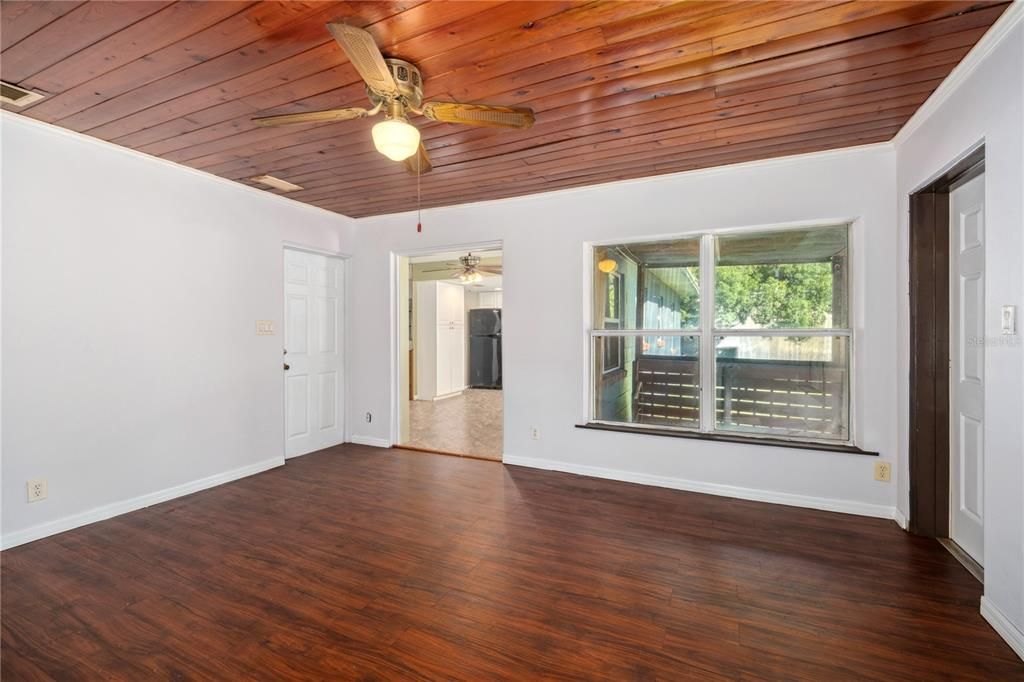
<point>984,104</point>
<point>131,288</point>
<point>543,237</point>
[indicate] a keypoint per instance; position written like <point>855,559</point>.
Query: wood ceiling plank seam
<point>171,24</point>
<point>327,49</point>
<point>245,27</point>
<point>388,202</point>
<point>675,17</point>
<point>827,82</point>
<point>612,114</point>
<point>503,192</point>
<point>794,49</point>
<point>342,57</point>
<point>195,129</point>
<point>830,65</point>
<point>961,39</point>
<point>753,15</point>
<point>412,35</point>
<point>478,171</point>
<point>691,142</point>
<point>322,58</point>
<point>196,123</point>
<point>250,57</point>
<point>496,49</point>
<point>20,19</point>
<point>870,15</point>
<point>880,107</point>
<point>713,72</point>
<point>500,17</point>
<point>70,33</point>
<point>439,80</point>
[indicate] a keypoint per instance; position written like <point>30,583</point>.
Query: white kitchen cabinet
<point>489,299</point>
<point>440,343</point>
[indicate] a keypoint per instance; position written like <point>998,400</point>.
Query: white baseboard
<point>899,518</point>
<point>107,511</point>
<point>807,501</point>
<point>371,441</point>
<point>1001,624</point>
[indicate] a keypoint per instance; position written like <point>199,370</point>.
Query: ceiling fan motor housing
<point>408,79</point>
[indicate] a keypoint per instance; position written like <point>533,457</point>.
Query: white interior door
<point>967,367</point>
<point>314,405</point>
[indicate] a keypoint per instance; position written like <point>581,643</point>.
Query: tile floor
<point>467,424</point>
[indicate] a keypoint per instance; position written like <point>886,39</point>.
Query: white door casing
<point>314,380</point>
<point>967,366</point>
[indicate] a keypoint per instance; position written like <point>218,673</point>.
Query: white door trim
<point>397,323</point>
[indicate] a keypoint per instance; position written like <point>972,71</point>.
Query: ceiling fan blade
<point>419,162</point>
<point>311,117</point>
<point>492,269</point>
<point>479,114</point>
<point>365,56</point>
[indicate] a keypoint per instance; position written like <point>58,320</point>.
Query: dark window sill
<point>729,438</point>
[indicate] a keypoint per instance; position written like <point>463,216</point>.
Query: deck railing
<point>775,396</point>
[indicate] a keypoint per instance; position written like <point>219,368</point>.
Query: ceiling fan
<point>470,269</point>
<point>395,87</point>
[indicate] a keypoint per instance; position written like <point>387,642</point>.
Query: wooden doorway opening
<point>930,337</point>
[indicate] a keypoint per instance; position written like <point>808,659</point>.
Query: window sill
<point>729,438</point>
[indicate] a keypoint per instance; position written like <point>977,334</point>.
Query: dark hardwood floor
<point>358,563</point>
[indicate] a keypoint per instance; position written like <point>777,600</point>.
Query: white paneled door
<point>967,367</point>
<point>313,379</point>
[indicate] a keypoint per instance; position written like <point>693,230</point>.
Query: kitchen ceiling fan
<point>469,269</point>
<point>395,87</point>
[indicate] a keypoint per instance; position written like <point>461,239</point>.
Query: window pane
<point>785,279</point>
<point>785,386</point>
<point>647,286</point>
<point>647,380</point>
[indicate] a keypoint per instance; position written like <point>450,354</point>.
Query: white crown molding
<point>9,117</point>
<point>754,494</point>
<point>998,32</point>
<point>49,528</point>
<point>1002,625</point>
<point>371,441</point>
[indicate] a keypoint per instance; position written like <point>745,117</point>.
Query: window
<point>740,333</point>
<point>612,350</point>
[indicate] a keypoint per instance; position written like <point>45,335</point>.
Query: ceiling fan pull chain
<point>419,205</point>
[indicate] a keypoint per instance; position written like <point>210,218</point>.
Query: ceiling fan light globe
<point>396,139</point>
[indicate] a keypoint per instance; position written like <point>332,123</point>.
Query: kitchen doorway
<point>450,396</point>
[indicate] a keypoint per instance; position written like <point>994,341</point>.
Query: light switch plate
<point>1009,320</point>
<point>264,327</point>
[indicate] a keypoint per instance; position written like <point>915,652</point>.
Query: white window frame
<point>707,332</point>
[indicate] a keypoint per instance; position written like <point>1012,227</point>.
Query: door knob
<point>287,367</point>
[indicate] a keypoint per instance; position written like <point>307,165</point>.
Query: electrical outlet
<point>534,433</point>
<point>369,417</point>
<point>883,471</point>
<point>37,490</point>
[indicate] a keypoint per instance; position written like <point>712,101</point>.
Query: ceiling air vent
<point>19,97</point>
<point>276,183</point>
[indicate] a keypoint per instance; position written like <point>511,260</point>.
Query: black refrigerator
<point>485,348</point>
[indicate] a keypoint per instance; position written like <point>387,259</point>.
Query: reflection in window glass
<point>788,279</point>
<point>653,285</point>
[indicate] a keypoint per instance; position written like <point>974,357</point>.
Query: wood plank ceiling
<point>620,89</point>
